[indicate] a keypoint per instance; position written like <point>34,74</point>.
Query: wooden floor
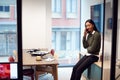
<point>64,73</point>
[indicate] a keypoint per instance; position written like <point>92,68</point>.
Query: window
<point>8,39</point>
<point>54,40</point>
<point>96,15</point>
<point>4,8</point>
<point>77,37</point>
<point>4,11</point>
<point>66,42</point>
<point>1,8</point>
<point>71,8</point>
<point>63,40</point>
<point>56,8</point>
<point>15,12</point>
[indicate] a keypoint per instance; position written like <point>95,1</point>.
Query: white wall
<point>36,23</point>
<point>118,40</point>
<point>85,14</point>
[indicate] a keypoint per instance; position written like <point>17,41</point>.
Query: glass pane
<point>8,40</point>
<point>66,32</point>
<point>107,40</point>
<point>117,75</point>
<point>8,29</point>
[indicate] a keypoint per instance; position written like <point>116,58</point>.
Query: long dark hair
<point>92,22</point>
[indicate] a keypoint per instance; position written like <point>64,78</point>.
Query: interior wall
<point>118,40</point>
<point>36,23</point>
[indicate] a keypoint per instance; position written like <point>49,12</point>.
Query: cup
<point>11,59</point>
<point>52,52</point>
<point>38,58</point>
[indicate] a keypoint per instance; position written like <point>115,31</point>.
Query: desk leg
<point>117,77</point>
<point>55,72</point>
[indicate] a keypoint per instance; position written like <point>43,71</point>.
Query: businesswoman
<point>91,42</point>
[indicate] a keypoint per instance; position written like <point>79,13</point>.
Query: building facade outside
<point>8,27</point>
<point>66,30</point>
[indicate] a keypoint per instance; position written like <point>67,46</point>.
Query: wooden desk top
<point>29,60</point>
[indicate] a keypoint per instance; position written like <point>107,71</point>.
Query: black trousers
<point>81,65</point>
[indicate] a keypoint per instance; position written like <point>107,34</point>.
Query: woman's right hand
<point>85,32</point>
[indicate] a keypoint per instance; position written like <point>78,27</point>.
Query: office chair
<point>43,69</point>
<point>26,72</point>
<point>29,72</point>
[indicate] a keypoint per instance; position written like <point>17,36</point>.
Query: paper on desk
<point>49,59</point>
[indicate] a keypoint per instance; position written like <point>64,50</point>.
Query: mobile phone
<point>86,30</point>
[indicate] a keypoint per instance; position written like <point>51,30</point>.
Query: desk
<point>117,70</point>
<point>29,60</point>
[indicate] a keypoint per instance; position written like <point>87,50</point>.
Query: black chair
<point>29,72</point>
<point>26,72</point>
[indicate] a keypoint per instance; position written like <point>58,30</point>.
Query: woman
<point>91,42</point>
